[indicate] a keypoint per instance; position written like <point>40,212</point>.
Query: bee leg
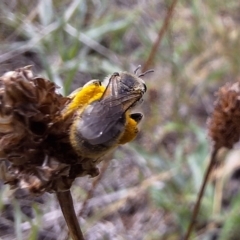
<point>137,117</point>
<point>131,128</point>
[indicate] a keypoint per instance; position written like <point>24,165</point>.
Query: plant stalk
<point>161,33</point>
<point>200,194</point>
<point>66,204</point>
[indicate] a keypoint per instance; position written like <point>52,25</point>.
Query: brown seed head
<point>224,124</point>
<point>35,152</point>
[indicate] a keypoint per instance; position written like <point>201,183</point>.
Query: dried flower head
<point>47,140</point>
<point>35,152</point>
<point>224,124</point>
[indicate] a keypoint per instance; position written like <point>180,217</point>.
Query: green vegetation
<point>150,185</point>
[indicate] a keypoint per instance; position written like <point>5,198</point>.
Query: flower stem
<point>201,192</point>
<point>66,204</point>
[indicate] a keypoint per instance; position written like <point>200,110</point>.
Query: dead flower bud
<point>224,124</point>
<point>35,152</point>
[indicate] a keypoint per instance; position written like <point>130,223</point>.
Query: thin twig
<point>161,33</point>
<point>66,204</point>
<point>94,185</point>
<point>201,192</point>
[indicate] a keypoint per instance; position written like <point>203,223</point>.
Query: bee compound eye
<point>145,87</point>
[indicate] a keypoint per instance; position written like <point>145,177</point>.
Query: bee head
<point>125,83</point>
<point>131,83</point>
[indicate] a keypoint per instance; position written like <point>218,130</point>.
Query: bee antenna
<point>148,71</point>
<point>138,67</point>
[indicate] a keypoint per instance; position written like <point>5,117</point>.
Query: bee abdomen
<point>90,140</point>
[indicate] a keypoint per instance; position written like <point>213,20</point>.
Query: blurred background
<point>146,189</point>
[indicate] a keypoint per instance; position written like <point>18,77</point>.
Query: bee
<point>103,117</point>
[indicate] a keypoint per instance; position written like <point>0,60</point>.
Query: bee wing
<point>102,121</point>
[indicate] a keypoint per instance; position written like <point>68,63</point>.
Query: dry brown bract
<point>224,125</point>
<point>35,152</point>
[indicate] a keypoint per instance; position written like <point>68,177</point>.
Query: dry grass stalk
<point>161,33</point>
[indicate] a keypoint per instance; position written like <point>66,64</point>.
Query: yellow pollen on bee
<point>131,130</point>
<point>84,97</point>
